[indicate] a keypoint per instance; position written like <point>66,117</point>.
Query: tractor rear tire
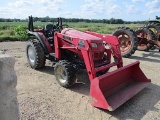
<point>65,73</point>
<point>155,27</point>
<point>144,36</point>
<point>35,54</point>
<point>128,41</point>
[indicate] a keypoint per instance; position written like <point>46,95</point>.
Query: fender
<point>47,48</point>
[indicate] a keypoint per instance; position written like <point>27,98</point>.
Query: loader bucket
<point>111,90</point>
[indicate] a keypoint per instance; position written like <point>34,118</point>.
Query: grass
<point>7,28</point>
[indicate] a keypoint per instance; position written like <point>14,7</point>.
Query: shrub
<point>21,33</point>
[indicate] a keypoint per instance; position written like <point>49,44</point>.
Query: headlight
<point>107,46</point>
<point>94,45</point>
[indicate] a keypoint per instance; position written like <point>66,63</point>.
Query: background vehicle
<point>128,41</point>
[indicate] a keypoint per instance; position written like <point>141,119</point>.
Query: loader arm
<point>114,46</point>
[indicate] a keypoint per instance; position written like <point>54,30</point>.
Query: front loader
<point>71,50</point>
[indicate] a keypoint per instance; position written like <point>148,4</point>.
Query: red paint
<point>109,90</point>
<point>46,42</point>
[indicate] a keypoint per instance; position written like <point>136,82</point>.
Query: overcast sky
<point>128,10</point>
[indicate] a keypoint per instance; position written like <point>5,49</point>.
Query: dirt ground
<point>41,98</point>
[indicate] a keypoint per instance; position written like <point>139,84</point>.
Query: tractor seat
<point>49,27</point>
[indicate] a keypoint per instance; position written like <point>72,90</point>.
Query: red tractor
<point>149,35</point>
<point>71,50</point>
<point>146,39</point>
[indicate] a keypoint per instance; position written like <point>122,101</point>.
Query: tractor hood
<point>78,34</point>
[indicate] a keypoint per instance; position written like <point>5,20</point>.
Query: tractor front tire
<point>128,41</point>
<point>35,54</point>
<point>65,73</point>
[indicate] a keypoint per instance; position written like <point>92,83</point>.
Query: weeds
<point>20,32</point>
<point>17,31</point>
